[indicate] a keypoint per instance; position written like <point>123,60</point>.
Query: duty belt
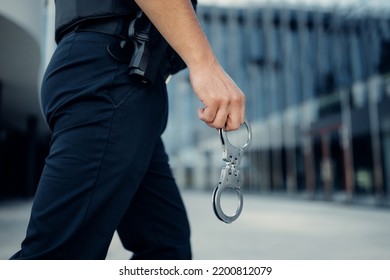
<point>111,26</point>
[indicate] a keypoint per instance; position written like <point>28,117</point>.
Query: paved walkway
<point>272,228</point>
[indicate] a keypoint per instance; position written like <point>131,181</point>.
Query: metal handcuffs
<point>230,175</point>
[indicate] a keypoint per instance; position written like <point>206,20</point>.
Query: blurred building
<point>317,81</point>
<point>316,77</point>
<point>24,49</point>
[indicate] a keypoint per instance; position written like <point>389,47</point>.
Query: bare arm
<point>224,102</point>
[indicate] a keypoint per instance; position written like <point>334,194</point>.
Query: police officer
<point>107,169</point>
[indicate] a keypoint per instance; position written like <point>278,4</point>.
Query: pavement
<point>269,228</point>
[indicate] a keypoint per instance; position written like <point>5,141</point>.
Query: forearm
<point>224,102</point>
<point>178,23</point>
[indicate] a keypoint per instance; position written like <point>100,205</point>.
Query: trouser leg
<point>155,226</point>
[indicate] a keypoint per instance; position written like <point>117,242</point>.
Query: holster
<point>139,44</point>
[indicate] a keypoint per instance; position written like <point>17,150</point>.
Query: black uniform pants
<point>107,168</point>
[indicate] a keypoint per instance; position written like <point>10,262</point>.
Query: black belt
<point>111,26</point>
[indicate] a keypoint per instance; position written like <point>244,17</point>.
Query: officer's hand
<point>224,102</point>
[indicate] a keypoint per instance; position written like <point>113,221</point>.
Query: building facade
<point>317,83</point>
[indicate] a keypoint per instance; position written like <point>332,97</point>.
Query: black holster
<point>146,51</point>
<point>150,50</point>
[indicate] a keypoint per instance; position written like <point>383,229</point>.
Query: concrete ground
<point>269,228</point>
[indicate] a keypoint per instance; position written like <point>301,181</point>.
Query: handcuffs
<point>230,175</point>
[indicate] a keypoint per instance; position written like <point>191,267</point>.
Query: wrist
<point>202,63</point>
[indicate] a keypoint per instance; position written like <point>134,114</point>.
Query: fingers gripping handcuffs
<point>230,175</point>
